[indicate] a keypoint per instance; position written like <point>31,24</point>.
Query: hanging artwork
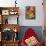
<point>5,12</point>
<point>30,12</point>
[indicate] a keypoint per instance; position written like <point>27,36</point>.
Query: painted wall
<point>39,13</point>
<point>22,4</point>
<point>37,29</point>
<point>22,21</point>
<point>12,20</point>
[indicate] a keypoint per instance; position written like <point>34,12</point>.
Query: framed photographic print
<point>30,12</point>
<point>5,12</point>
<point>13,12</point>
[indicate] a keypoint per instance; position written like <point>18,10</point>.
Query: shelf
<point>10,41</point>
<point>10,19</point>
<point>10,26</point>
<point>9,10</point>
<point>9,15</point>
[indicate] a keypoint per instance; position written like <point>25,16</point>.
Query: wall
<point>39,13</point>
<point>22,4</point>
<point>37,29</point>
<point>36,24</point>
<point>12,20</point>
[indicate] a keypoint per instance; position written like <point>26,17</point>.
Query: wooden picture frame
<point>30,12</point>
<point>5,12</point>
<point>13,12</point>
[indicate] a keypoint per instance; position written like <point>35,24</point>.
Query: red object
<point>29,33</point>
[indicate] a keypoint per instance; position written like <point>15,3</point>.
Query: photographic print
<point>30,12</point>
<point>5,12</point>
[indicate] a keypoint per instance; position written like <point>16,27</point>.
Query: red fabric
<point>29,33</point>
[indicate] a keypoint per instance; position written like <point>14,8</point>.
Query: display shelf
<point>6,12</point>
<point>9,26</point>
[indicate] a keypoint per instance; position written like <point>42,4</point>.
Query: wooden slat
<point>4,8</point>
<point>11,26</point>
